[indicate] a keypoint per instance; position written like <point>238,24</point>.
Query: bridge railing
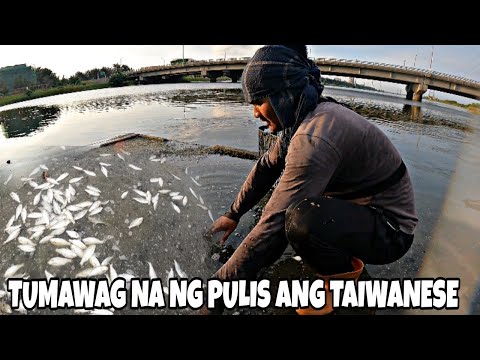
<point>318,61</point>
<point>422,72</point>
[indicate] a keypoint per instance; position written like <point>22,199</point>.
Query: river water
<point>440,145</point>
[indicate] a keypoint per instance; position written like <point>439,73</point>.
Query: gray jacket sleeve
<point>261,178</point>
<point>310,164</point>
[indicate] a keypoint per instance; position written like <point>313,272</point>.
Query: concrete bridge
<point>417,81</point>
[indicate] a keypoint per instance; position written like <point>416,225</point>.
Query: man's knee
<point>298,220</point>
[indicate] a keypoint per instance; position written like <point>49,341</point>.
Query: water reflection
<point>24,121</point>
<point>413,112</point>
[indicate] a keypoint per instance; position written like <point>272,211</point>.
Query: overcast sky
<point>65,60</point>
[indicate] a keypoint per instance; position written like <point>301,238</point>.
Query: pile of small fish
<point>45,219</point>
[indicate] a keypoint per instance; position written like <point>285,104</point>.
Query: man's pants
<point>327,232</point>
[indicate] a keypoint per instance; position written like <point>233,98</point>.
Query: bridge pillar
<point>235,75</point>
<point>213,75</point>
<point>415,91</point>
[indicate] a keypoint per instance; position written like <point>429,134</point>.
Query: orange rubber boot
<point>328,308</point>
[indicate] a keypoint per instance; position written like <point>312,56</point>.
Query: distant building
<point>17,77</point>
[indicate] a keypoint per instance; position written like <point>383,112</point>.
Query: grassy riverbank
<point>6,100</point>
<point>474,108</point>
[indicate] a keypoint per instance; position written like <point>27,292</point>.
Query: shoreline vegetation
<point>473,108</point>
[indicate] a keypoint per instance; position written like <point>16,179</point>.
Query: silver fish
<point>33,184</point>
<point>124,195</point>
<point>151,271</point>
<point>100,312</point>
<point>77,250</point>
<point>195,181</point>
<point>78,168</point>
<point>59,242</point>
<point>12,236</point>
<point>105,155</point>
<point>96,211</point>
<point>84,273</point>
<point>106,261</point>
<point>24,214</point>
<point>120,156</point>
<point>175,207</point>
<point>78,244</point>
<point>134,167</point>
<point>58,261</point>
<point>36,199</point>
<point>164,191</point>
<point>105,164</point>
<point>141,200</point>
<point>12,270</point>
<point>94,261</point>
<point>193,193</point>
<point>177,197</point>
<point>184,202</point>
<point>113,273</point>
<point>201,200</point>
<point>50,195</point>
<point>93,193</point>
<point>210,215</point>
<point>74,208</point>
<point>135,222</point>
<point>89,173</point>
<point>52,181</point>
<point>125,152</point>
<point>8,179</point>
<point>15,197</point>
<point>93,188</point>
<point>104,171</point>
<point>18,211</point>
<point>80,215</point>
<point>95,205</point>
<point>44,167</point>
<point>176,177</point>
<point>37,234</point>
<point>42,186</point>
<point>179,270</point>
<point>72,189</point>
<point>87,254</point>
<point>45,239</point>
<point>25,241</point>
<point>48,275</point>
<point>35,215</point>
<point>77,179</point>
<point>63,176</point>
<point>11,229</point>
<point>155,201</point>
<point>73,234</point>
<point>92,241</point>
<point>141,193</point>
<point>66,253</point>
<point>34,171</point>
<point>10,222</point>
<point>99,270</point>
<point>96,221</point>
<point>26,248</point>
<point>85,204</point>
